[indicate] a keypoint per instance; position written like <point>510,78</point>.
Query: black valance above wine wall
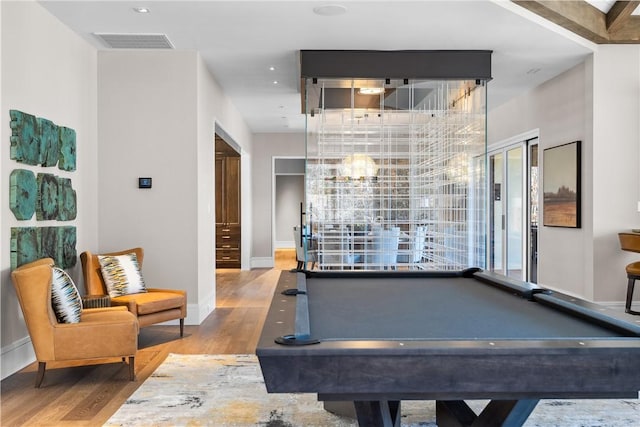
<point>40,145</point>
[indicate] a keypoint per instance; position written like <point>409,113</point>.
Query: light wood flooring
<point>89,395</point>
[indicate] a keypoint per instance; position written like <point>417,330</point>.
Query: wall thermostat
<point>144,182</point>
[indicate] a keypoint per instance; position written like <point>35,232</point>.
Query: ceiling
<point>241,40</point>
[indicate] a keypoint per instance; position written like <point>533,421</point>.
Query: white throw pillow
<point>121,274</point>
<point>65,298</point>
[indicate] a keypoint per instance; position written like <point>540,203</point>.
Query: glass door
<point>511,236</point>
<point>496,215</point>
<point>533,210</point>
<point>514,213</point>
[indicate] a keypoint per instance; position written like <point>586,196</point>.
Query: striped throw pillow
<point>65,298</point>
<point>121,274</point>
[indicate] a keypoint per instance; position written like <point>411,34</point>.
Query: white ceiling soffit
<point>135,41</point>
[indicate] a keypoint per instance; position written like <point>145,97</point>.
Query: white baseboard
<point>201,311</point>
<point>262,262</point>
<point>16,356</point>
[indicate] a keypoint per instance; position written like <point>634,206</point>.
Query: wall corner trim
<point>262,262</point>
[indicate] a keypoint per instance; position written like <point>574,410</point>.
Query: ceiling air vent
<point>135,41</point>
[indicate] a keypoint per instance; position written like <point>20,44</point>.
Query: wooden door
<point>220,191</point>
<point>232,190</point>
<point>228,212</point>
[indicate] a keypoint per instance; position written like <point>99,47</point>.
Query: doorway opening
<point>288,195</point>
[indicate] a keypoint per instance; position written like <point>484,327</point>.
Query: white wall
<point>265,147</point>
<point>158,111</point>
<point>616,154</point>
<point>2,197</point>
<point>205,157</point>
<point>214,108</point>
<point>289,194</point>
<point>246,208</point>
<point>49,72</point>
<point>147,125</point>
<point>558,108</point>
<point>597,102</point>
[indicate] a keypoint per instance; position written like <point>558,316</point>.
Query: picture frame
<point>561,184</point>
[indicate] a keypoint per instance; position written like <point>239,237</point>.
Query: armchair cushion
<point>151,302</point>
<point>65,298</point>
<point>121,274</point>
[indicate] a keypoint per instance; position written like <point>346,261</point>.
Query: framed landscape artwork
<point>561,185</point>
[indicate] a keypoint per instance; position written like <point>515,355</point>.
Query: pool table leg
<point>511,413</point>
<point>379,413</point>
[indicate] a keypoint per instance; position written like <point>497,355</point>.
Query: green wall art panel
<point>54,198</point>
<point>59,243</point>
<point>32,243</point>
<point>67,205</point>
<point>23,190</point>
<point>25,245</point>
<point>67,239</point>
<point>39,141</point>
<point>47,202</point>
<point>49,243</point>
<point>49,137</point>
<point>25,145</point>
<point>67,160</point>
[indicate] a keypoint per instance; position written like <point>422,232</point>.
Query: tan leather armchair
<point>154,306</point>
<point>631,242</point>
<point>101,333</point>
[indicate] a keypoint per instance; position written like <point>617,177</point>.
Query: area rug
<point>228,390</point>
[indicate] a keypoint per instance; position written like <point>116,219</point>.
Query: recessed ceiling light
<point>275,82</point>
<point>272,68</point>
<point>141,9</point>
<point>330,10</point>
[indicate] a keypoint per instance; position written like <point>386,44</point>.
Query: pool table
<point>377,338</point>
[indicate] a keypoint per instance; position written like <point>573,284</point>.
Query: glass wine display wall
<point>395,173</point>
